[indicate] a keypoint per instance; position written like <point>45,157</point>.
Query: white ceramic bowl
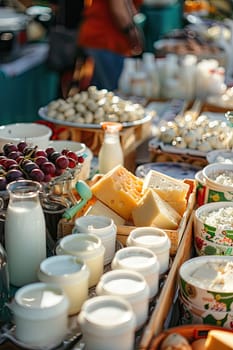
<point>207,279</point>
<point>34,134</point>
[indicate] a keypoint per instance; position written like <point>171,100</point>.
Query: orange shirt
<point>98,30</point>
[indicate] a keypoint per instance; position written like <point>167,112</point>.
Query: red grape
<point>40,160</point>
<point>21,145</point>
<point>37,175</point>
<point>49,150</point>
<point>9,147</point>
<point>80,159</point>
<point>62,162</point>
<point>72,163</point>
<point>13,175</point>
<point>48,168</point>
<point>72,155</point>
<point>40,152</point>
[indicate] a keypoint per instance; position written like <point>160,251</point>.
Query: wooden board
<point>164,303</point>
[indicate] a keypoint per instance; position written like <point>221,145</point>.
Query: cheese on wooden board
<point>167,187</point>
<point>154,211</point>
<point>120,190</point>
<point>98,208</point>
<point>219,340</point>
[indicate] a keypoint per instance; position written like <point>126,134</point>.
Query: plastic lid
<point>136,258</point>
<point>39,301</point>
<point>128,284</point>
<point>63,269</point>
<point>107,315</point>
<point>149,237</point>
<point>97,224</point>
<point>84,245</point>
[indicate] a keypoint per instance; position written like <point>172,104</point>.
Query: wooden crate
<point>157,321</point>
<point>174,235</point>
<point>65,227</point>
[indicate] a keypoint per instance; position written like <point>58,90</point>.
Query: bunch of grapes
<point>24,162</point>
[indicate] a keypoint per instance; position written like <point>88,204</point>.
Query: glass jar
<point>25,232</point>
<point>110,154</point>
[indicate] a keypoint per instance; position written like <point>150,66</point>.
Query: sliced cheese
<point>219,340</point>
<point>167,187</point>
<point>98,208</point>
<point>154,211</point>
<point>120,190</point>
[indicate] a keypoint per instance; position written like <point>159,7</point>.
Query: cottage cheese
<point>221,218</point>
<point>225,178</point>
<point>217,277</point>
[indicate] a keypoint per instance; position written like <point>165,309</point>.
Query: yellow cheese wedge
<point>219,340</point>
<point>120,190</point>
<point>167,187</point>
<point>154,211</point>
<point>98,208</point>
<point>179,206</point>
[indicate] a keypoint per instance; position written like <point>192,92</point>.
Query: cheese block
<point>98,208</point>
<point>219,340</point>
<point>167,187</point>
<point>179,206</point>
<point>154,211</point>
<point>120,190</point>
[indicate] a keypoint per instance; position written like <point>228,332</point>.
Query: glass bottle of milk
<point>110,154</point>
<point>25,232</point>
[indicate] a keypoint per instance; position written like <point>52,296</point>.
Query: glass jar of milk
<point>110,154</point>
<point>25,232</point>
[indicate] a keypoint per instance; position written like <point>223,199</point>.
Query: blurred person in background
<point>108,34</point>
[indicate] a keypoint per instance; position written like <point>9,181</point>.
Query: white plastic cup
<point>155,239</point>
<point>101,226</point>
<point>69,273</point>
<point>141,260</point>
<point>87,247</point>
<point>107,322</point>
<point>40,313</point>
<point>129,285</point>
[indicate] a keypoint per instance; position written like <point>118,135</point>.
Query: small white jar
<point>40,313</point>
<point>71,274</point>
<point>87,247</point>
<point>155,239</point>
<point>101,226</point>
<point>107,322</point>
<point>129,285</point>
<point>141,260</point>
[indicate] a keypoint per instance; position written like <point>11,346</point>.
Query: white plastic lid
<point>40,301</point>
<point>96,224</point>
<point>136,258</point>
<point>107,315</point>
<point>64,269</point>
<point>149,237</point>
<point>83,245</point>
<point>128,284</point>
